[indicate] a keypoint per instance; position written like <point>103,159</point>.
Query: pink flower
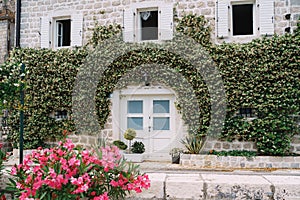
<point>69,145</point>
<point>13,171</point>
<point>75,173</point>
<point>74,162</point>
<point>102,197</point>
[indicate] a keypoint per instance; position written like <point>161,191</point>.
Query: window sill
<point>237,39</point>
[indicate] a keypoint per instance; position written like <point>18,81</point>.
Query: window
<point>59,115</point>
<point>247,112</point>
<point>149,25</point>
<point>236,18</point>
<point>61,30</point>
<point>63,33</point>
<point>147,22</point>
<point>242,19</point>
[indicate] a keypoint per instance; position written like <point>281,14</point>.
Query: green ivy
<point>49,81</point>
<point>262,74</point>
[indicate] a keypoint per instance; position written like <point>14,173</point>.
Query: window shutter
<point>166,22</point>
<point>222,18</point>
<point>266,17</point>
<point>76,30</point>
<point>128,26</point>
<point>45,32</point>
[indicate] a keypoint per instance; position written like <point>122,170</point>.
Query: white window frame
<point>138,28</point>
<point>254,18</point>
<point>263,20</point>
<point>48,28</point>
<point>131,23</point>
<point>55,32</point>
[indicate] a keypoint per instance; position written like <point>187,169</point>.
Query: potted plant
<point>136,152</point>
<point>129,135</point>
<point>138,147</point>
<point>121,145</point>
<point>175,154</point>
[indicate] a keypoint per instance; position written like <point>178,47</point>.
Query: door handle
<point>149,128</point>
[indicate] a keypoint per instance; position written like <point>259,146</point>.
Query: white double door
<point>153,118</point>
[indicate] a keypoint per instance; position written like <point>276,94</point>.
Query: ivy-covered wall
<point>262,74</point>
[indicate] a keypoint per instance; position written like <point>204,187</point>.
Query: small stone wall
<point>215,144</point>
<point>239,162</point>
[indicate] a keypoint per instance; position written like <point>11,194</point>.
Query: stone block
<point>286,187</point>
<point>184,186</point>
<point>236,187</point>
<point>156,190</point>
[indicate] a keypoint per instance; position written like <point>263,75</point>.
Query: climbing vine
<point>262,75</point>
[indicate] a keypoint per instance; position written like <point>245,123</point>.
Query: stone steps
<point>210,186</point>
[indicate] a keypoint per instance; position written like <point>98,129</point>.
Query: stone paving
<point>173,181</point>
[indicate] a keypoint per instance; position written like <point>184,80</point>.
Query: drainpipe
<point>22,71</point>
<point>18,23</point>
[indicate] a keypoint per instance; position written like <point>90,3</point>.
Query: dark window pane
<point>242,18</point>
<point>64,33</point>
<point>149,25</point>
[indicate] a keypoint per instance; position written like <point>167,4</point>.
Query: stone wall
<point>239,162</point>
<point>5,20</point>
<point>283,8</point>
<point>3,40</point>
<point>107,12</point>
<point>214,144</point>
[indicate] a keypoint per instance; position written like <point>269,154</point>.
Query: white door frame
<point>159,91</point>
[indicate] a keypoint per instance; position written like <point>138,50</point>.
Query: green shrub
<point>130,134</point>
<point>138,147</point>
<point>121,145</point>
<point>193,143</point>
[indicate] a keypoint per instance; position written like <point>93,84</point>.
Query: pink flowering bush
<point>70,172</point>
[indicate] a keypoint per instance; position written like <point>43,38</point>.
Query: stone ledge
<point>205,186</point>
<point>240,162</point>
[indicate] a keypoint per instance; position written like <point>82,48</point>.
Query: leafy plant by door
<point>138,147</point>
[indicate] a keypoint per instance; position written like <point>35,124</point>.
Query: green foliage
<point>193,143</point>
<point>245,153</point>
<point>130,134</point>
<point>121,145</point>
<point>273,134</point>
<point>236,128</point>
<point>195,27</point>
<point>138,147</point>
<point>49,81</point>
<point>262,74</point>
<point>102,33</point>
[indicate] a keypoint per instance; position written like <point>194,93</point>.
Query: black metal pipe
<point>22,76</point>
<point>18,23</point>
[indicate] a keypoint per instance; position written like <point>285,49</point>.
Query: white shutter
<point>222,18</point>
<point>266,17</point>
<point>128,26</point>
<point>76,30</point>
<point>45,32</point>
<point>166,22</point>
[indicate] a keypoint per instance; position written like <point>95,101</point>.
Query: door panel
<point>153,118</point>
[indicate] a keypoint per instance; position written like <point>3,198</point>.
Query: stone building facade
<point>7,26</point>
<point>60,23</point>
<point>268,16</point>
